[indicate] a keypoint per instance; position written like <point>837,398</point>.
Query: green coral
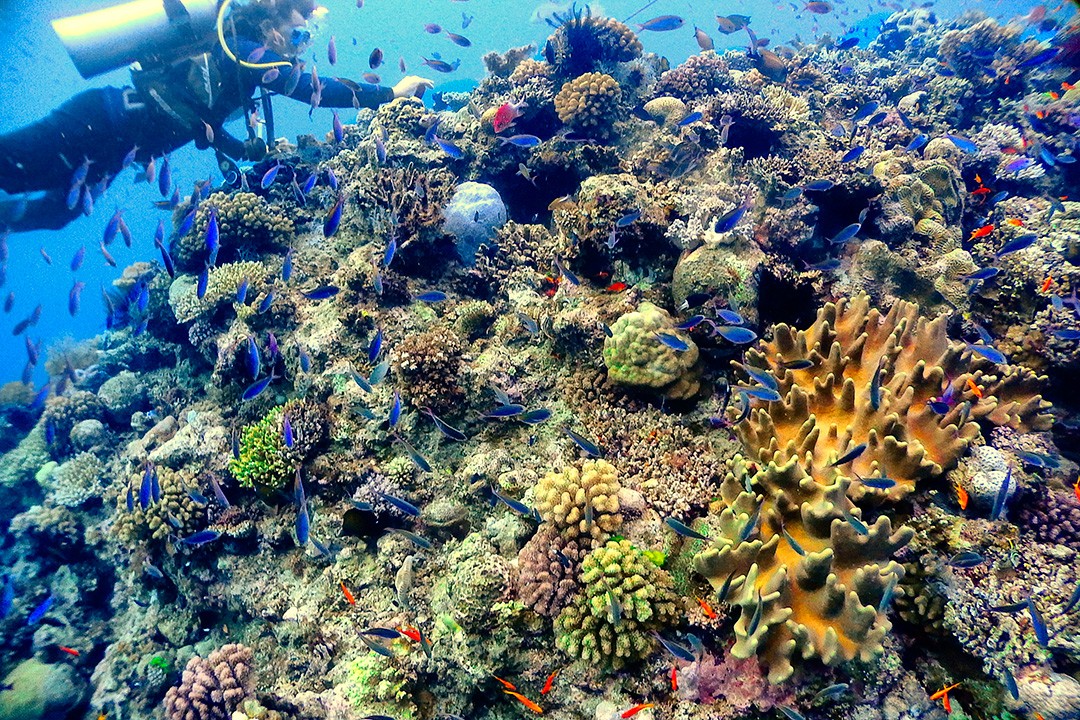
<point>374,684</point>
<point>264,462</point>
<point>617,574</point>
<point>635,356</point>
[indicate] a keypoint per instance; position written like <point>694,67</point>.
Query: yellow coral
<point>589,102</point>
<point>666,110</point>
<point>565,498</point>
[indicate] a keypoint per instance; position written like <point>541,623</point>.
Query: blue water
<point>38,75</point>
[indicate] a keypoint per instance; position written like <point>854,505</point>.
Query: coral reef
<point>213,687</point>
<point>635,355</point>
<point>590,103</point>
<point>581,503</point>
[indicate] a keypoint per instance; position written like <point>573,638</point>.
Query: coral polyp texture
<point>581,502</point>
<point>213,687</point>
<point>636,355</point>
<point>590,103</point>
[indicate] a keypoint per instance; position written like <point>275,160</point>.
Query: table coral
<point>616,574</point>
<point>634,356</point>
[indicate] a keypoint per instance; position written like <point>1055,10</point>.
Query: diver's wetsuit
<point>104,124</point>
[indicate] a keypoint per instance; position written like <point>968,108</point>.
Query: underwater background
<point>666,360</point>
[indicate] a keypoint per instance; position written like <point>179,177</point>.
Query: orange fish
<point>1066,86</point>
<point>981,191</point>
<point>961,496</point>
<point>348,595</point>
<point>1076,488</point>
<point>978,178</point>
<point>705,608</point>
<point>635,710</point>
<point>674,678</point>
<point>616,287</point>
<point>944,691</point>
<point>946,704</point>
<point>505,683</point>
<point>414,635</point>
<point>1053,95</point>
<point>1046,284</point>
<point>981,232</point>
<point>548,683</point>
<point>70,651</point>
<point>525,701</point>
<point>1015,222</point>
<point>975,388</point>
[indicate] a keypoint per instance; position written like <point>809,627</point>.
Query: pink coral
<point>212,688</point>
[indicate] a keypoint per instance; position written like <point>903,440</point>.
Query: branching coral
<point>212,688</point>
<point>175,513</point>
<point>221,285</point>
<point>77,480</point>
<point>430,366</point>
<point>624,596</point>
<point>815,574</point>
<point>548,569</point>
<point>265,463</point>
<point>590,103</point>
<point>701,75</point>
<point>66,411</point>
<point>246,222</point>
<point>581,502</point>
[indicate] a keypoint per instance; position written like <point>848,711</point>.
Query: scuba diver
<point>195,64</point>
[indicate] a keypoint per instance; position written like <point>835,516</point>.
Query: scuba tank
<point>150,32</point>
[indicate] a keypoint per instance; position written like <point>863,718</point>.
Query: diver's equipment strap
<point>268,112</point>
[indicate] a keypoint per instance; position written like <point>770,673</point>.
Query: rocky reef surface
<point>743,388</point>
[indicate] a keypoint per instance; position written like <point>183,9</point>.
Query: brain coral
<point>635,356</point>
<point>590,103</point>
<point>616,578</point>
<point>566,499</point>
<point>811,572</point>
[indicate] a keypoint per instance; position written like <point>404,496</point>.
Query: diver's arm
<point>336,93</point>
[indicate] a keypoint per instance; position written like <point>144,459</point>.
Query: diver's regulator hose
<point>222,11</point>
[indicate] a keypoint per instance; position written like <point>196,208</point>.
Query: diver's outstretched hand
<point>412,86</point>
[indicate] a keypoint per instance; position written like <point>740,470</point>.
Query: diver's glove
<point>412,86</point>
<point>254,149</point>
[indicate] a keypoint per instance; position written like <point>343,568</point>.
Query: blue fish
<point>819,185</point>
<point>680,652</point>
<point>515,505</point>
<point>685,530</point>
<point>847,233</point>
<point>242,291</point>
<point>1017,244</point>
<point>1038,624</point>
<point>523,141</point>
<point>39,612</point>
<point>762,377</point>
<point>728,221</point>
<point>375,348</point>
<point>690,323</point>
<point>1040,58</point>
<point>588,447</point>
<point>7,598</point>
<point>564,272</point>
<point>506,410</point>
<point>411,537</point>
<point>672,341</point>
<point>865,111</point>
<point>403,505</point>
<point>287,431</point>
<point>662,23</point>
<point>737,335</point>
<point>791,194</point>
<point>202,282</point>
<point>379,372</point>
<point>917,143</point>
<point>998,197</point>
<point>535,417</point>
<point>628,219</point>
<point>287,266</point>
<point>394,415</point>
<point>145,491</point>
<point>270,176</point>
<point>112,227</point>
<point>432,296</point>
<point>963,144</point>
<point>417,458</point>
<point>853,154</point>
<point>333,220</point>
<point>265,303</point>
<point>77,258</point>
<point>339,130</point>
<point>322,293</point>
<point>847,43</point>
<point>448,147</point>
<point>1002,495</point>
<point>256,389</point>
<point>690,119</point>
<point>309,185</point>
<point>992,354</point>
<point>164,177</point>
<point>167,261</point>
<point>213,236</point>
<point>982,274</point>
<point>155,484</point>
<point>730,317</point>
<point>303,525</point>
<point>201,538</point>
<point>760,393</point>
<point>391,250</point>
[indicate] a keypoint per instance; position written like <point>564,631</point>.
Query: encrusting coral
<point>811,575</point>
<point>212,688</point>
<point>265,462</point>
<point>635,356</point>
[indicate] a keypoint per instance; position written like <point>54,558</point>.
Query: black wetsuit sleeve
<point>335,93</point>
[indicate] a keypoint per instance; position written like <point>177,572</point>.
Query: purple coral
<point>546,584</point>
<point>1052,516</point>
<point>212,688</point>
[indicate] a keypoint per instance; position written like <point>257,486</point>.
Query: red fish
<point>411,633</point>
<point>674,678</point>
<point>982,232</point>
<point>548,683</point>
<point>506,115</point>
<point>70,651</point>
<point>525,701</point>
<point>348,595</point>
<point>706,608</point>
<point>616,287</point>
<point>635,710</point>
<point>1076,488</point>
<point>1046,284</point>
<point>505,683</point>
